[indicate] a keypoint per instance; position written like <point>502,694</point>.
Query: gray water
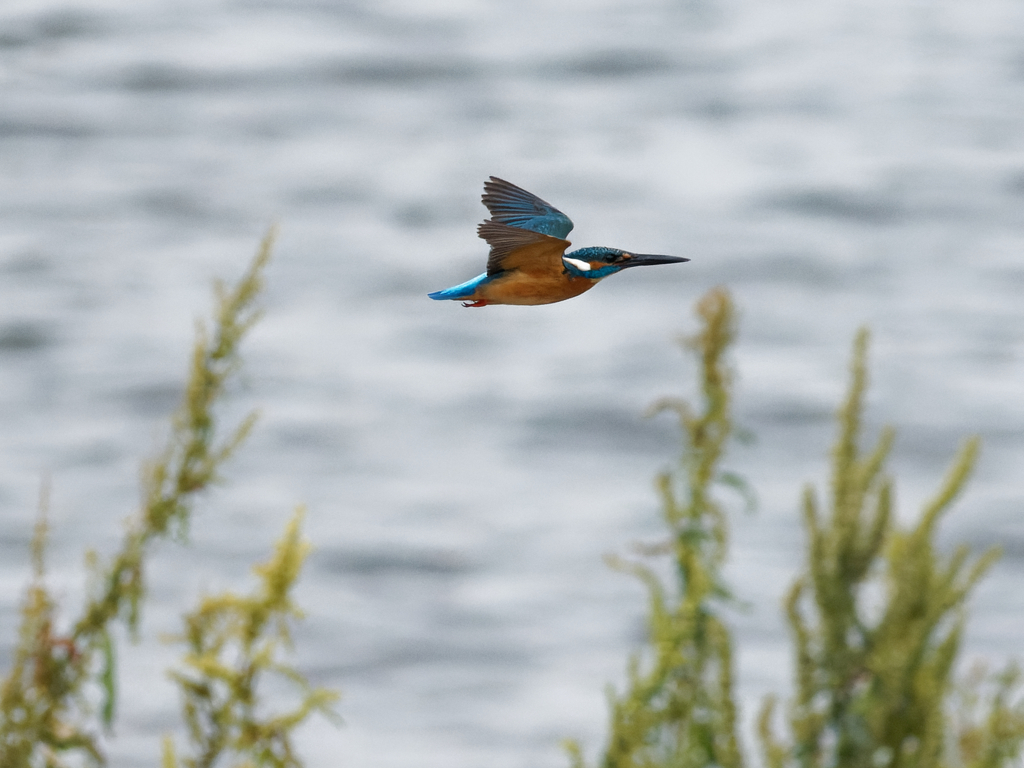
<point>835,164</point>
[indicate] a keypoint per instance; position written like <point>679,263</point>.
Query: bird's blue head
<point>598,261</point>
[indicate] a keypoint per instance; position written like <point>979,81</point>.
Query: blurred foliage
<point>232,642</point>
<point>874,683</point>
<point>678,707</point>
<point>877,615</point>
<point>988,718</point>
<point>60,690</point>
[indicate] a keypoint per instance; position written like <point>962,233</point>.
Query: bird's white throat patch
<point>582,266</point>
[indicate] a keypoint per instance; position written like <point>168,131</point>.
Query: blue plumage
<point>595,256</point>
<point>527,263</point>
<point>514,206</point>
<point>462,290</point>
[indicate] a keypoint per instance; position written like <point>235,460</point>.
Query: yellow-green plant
<point>988,718</point>
<point>48,711</point>
<point>874,683</point>
<point>678,708</point>
<point>232,642</point>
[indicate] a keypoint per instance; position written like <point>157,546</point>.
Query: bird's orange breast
<point>519,288</point>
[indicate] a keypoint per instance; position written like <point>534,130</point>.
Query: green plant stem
<point>872,686</point>
<point>678,708</point>
<point>44,709</point>
<point>233,642</point>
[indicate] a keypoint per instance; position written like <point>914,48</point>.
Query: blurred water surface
<point>834,163</point>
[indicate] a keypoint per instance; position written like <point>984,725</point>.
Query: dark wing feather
<point>522,249</point>
<point>516,207</point>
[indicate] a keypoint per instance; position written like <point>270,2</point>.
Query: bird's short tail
<point>461,291</point>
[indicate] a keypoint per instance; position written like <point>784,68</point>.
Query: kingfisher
<point>527,263</point>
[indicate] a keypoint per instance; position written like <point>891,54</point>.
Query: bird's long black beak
<point>649,259</point>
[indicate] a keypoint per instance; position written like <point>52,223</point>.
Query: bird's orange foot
<point>480,303</point>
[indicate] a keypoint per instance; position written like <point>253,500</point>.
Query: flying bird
<point>528,263</point>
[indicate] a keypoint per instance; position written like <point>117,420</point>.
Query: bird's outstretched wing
<point>516,207</point>
<point>523,249</point>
